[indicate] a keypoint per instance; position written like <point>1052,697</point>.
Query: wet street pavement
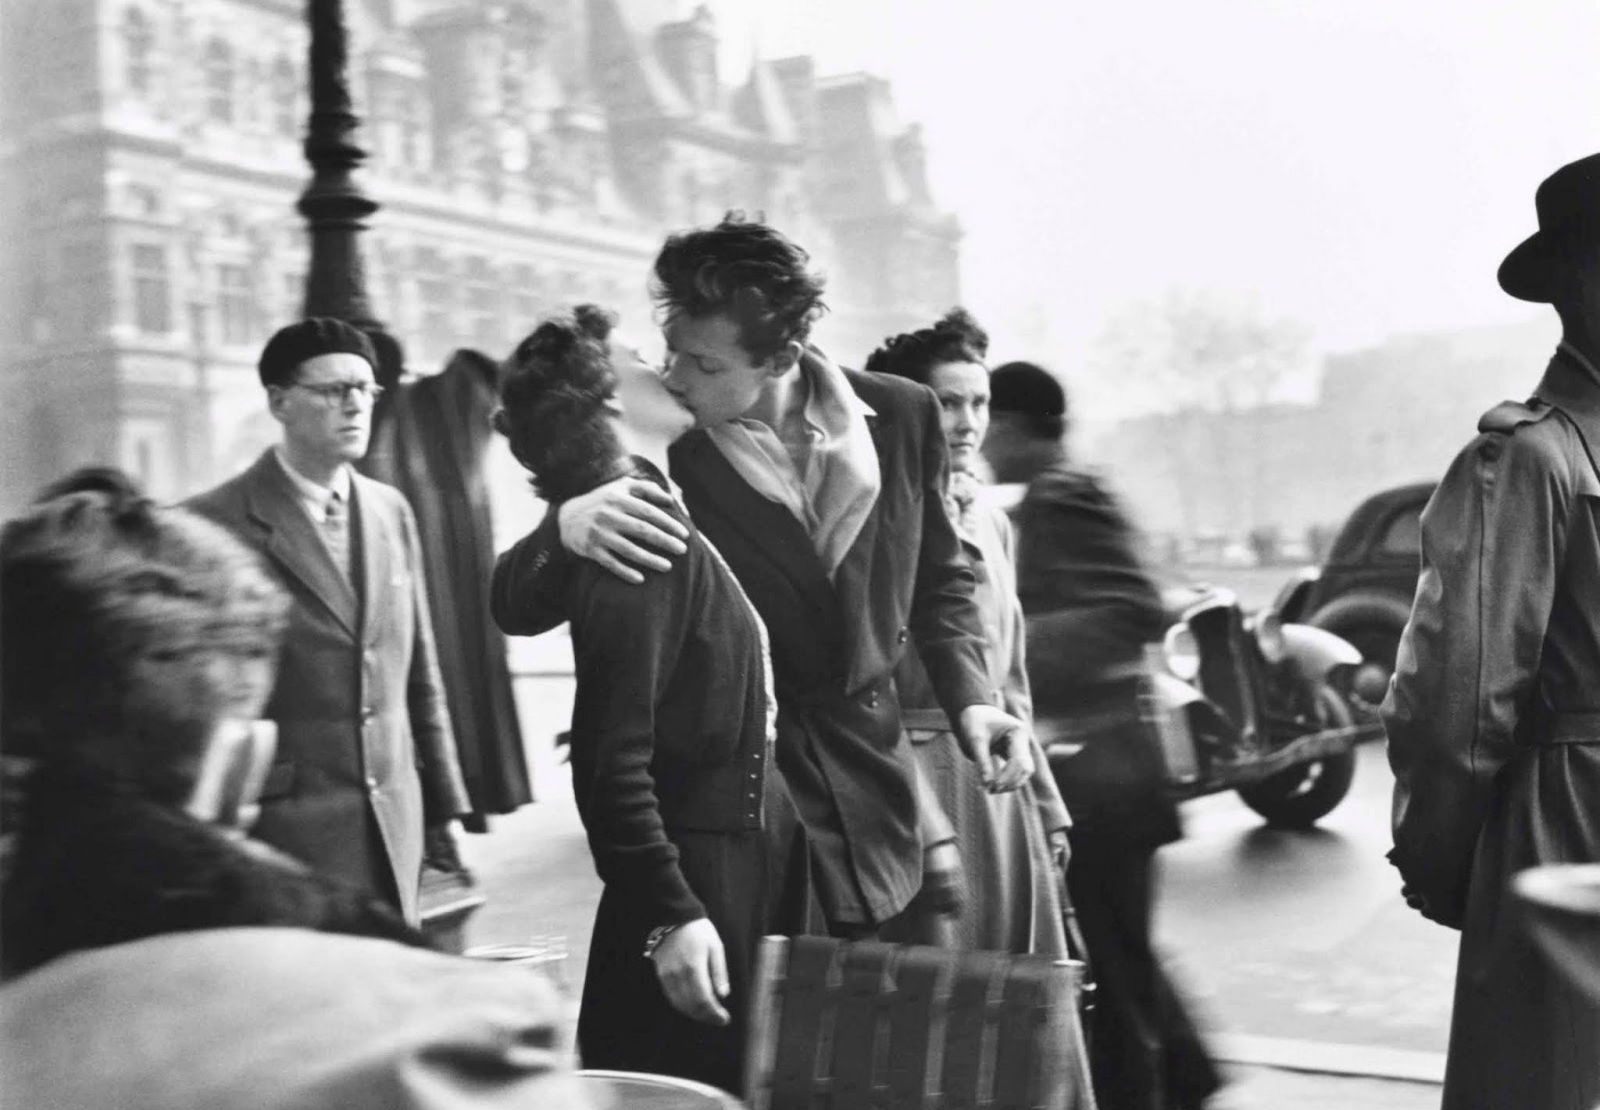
<point>1297,944</point>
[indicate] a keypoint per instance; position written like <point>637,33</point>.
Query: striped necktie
<point>336,532</point>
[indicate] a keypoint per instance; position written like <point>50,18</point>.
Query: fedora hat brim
<point>1530,271</point>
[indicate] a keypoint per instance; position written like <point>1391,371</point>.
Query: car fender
<point>1172,691</point>
<point>1291,600</point>
<point>1363,607</point>
<point>1316,651</point>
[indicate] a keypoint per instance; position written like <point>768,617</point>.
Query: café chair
<point>637,1090</point>
<point>866,1024</point>
<point>1561,909</point>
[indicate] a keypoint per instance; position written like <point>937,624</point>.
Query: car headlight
<point>1270,639</point>
<point>1182,652</point>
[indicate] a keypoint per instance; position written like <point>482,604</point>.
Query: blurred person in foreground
<point>1091,609</point>
<point>282,1019</point>
<point>824,490</point>
<point>1013,845</point>
<point>366,779</point>
<point>1494,711</point>
<point>690,825</point>
<point>139,647</point>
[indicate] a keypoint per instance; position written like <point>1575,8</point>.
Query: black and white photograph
<point>799,555</point>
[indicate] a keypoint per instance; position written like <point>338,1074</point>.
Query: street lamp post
<point>335,208</point>
<point>336,212</point>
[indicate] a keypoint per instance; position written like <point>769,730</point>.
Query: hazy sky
<point>1360,165</point>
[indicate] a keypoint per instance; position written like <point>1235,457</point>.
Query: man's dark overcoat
<point>835,644</point>
<point>1494,732</point>
<point>430,443</point>
<point>1091,609</point>
<point>365,755</point>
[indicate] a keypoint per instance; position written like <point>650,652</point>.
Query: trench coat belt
<point>1552,727</point>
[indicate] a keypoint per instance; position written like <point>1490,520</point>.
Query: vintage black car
<point>1245,702</point>
<point>1364,590</point>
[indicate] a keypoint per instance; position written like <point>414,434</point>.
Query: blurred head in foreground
<point>130,632</point>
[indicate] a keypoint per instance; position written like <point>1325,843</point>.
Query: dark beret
<point>317,335</point>
<point>1023,387</point>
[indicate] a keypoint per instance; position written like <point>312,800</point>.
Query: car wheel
<point>1299,796</point>
<point>1377,644</point>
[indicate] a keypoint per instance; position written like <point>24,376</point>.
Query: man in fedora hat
<point>1494,712</point>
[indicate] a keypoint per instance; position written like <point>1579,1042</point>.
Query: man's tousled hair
<point>744,269</point>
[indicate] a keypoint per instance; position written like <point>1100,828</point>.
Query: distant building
<point>1394,413</point>
<point>527,154</point>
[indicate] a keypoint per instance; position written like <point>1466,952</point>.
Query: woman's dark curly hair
<point>956,337</point>
<point>553,394</point>
<point>746,270</point>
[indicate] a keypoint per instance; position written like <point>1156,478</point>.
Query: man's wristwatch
<point>653,939</point>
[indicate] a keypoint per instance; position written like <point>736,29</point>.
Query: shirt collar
<point>316,492</point>
<point>821,377</point>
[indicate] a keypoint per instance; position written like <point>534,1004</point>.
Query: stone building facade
<point>526,153</point>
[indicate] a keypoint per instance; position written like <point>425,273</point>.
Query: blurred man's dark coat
<point>431,443</point>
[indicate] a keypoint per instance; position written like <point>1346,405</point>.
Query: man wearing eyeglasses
<point>365,774</point>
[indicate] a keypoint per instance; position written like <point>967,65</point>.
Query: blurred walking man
<point>823,489</point>
<point>365,756</point>
<point>1091,608</point>
<point>1494,713</point>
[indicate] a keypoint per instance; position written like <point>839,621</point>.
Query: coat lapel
<point>375,555</point>
<point>770,528</point>
<point>291,541</point>
<point>853,580</point>
<point>853,569</point>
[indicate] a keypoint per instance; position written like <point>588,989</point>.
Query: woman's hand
<point>693,969</point>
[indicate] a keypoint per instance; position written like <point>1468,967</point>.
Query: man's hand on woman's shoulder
<point>622,525</point>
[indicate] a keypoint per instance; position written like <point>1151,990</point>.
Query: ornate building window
<point>235,304</point>
<point>217,67</point>
<point>138,40</point>
<point>524,301</point>
<point>152,289</point>
<point>435,292</point>
<point>484,329</point>
<point>285,99</point>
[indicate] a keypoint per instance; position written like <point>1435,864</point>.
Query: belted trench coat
<point>1494,733</point>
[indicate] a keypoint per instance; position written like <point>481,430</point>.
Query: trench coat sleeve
<point>1016,696</point>
<point>623,657</point>
<point>444,791</point>
<point>529,579</point>
<point>1492,539</point>
<point>1088,600</point>
<point>944,613</point>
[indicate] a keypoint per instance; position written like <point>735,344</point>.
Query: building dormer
<point>688,52</point>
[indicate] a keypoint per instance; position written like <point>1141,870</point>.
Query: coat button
<point>366,713</point>
<point>872,700</point>
<point>902,635</point>
<point>372,784</point>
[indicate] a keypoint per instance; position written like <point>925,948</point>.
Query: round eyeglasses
<point>333,394</point>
